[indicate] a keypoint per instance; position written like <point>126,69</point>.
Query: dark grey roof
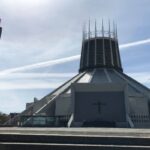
<point>97,76</point>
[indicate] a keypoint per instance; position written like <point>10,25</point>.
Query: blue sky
<point>36,31</point>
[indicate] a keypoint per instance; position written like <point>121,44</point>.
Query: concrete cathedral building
<point>100,95</point>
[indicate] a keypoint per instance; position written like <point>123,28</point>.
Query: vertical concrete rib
<point>83,51</point>
<point>104,62</point>
<point>0,29</point>
<point>111,53</point>
<point>88,54</point>
<point>116,49</point>
<point>117,56</point>
<point>95,43</point>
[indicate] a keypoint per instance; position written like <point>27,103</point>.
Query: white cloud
<point>35,75</point>
<point>143,77</point>
<point>36,84</point>
<point>12,104</point>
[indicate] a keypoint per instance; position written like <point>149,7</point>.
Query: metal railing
<point>43,121</point>
<point>94,34</point>
<point>140,118</point>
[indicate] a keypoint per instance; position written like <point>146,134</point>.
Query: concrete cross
<point>99,105</point>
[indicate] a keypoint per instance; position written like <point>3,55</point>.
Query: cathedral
<point>100,95</point>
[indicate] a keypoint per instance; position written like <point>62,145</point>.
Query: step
<point>53,146</point>
<point>75,139</point>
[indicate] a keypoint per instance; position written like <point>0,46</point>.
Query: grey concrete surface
<point>116,132</point>
<point>41,146</point>
<point>74,139</point>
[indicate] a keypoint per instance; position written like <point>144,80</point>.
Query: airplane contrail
<point>134,43</point>
<point>40,65</point>
<point>64,60</point>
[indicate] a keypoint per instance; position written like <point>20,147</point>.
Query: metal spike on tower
<point>100,48</point>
